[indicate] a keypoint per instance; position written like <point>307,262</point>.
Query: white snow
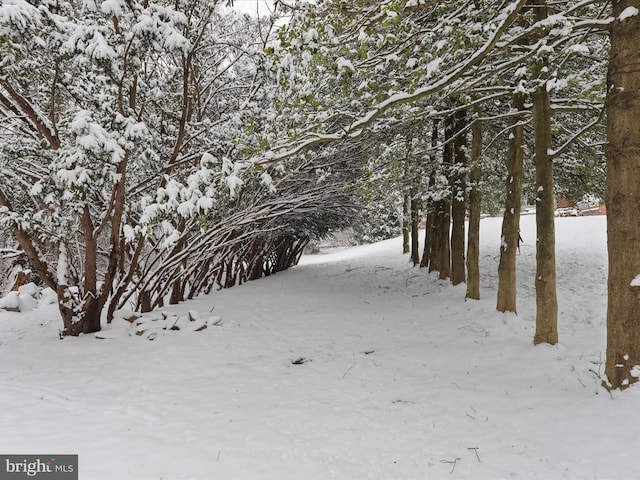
<point>345,64</point>
<point>62,265</point>
<point>579,49</point>
<point>433,67</point>
<point>234,183</point>
<point>113,7</point>
<point>10,301</point>
<point>520,72</point>
<point>267,181</point>
<point>310,36</point>
<point>627,13</point>
<point>353,365</point>
<point>22,300</point>
<point>556,84</point>
<point>19,13</point>
<point>636,281</point>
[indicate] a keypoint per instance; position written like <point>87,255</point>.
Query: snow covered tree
<point>343,74</point>
<point>104,104</point>
<point>146,162</point>
<point>383,189</point>
<point>356,67</point>
<point>366,61</point>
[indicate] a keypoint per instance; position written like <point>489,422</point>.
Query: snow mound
<point>151,325</point>
<point>22,300</point>
<point>10,302</point>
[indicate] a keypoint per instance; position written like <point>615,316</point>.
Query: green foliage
<point>337,62</point>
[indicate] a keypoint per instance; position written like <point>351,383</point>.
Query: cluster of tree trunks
<point>262,258</point>
<point>239,258</point>
<point>445,232</point>
<point>443,253</point>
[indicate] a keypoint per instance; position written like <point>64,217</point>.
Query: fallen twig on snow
<point>452,462</point>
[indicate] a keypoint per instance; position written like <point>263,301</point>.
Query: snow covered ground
<point>352,366</point>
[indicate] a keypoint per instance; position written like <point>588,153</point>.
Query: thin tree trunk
<point>475,199</point>
<point>428,228</point>
<point>426,249</point>
<point>459,201</point>
<point>445,236</point>
<point>546,295</point>
<point>429,233</point>
<point>415,223</point>
<point>405,223</point>
<point>506,301</point>
<point>406,208</point>
<point>444,214</point>
<point>623,200</point>
<point>436,237</point>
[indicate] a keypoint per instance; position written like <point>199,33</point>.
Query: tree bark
<point>459,200</point>
<point>405,223</point>
<point>506,301</point>
<point>546,295</point>
<point>443,219</point>
<point>430,227</point>
<point>415,225</point>
<point>406,208</point>
<point>475,200</point>
<point>92,304</point>
<point>623,200</point>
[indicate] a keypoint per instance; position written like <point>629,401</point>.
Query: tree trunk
<point>176,293</point>
<point>406,208</point>
<point>475,199</point>
<point>506,301</point>
<point>92,304</point>
<point>546,295</point>
<point>81,313</point>
<point>443,221</point>
<point>444,237</point>
<point>459,202</point>
<point>78,316</point>
<point>430,227</point>
<point>89,318</point>
<point>405,224</point>
<point>145,301</point>
<point>623,200</point>
<point>415,224</point>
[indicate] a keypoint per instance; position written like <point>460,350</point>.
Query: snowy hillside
<point>352,366</point>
